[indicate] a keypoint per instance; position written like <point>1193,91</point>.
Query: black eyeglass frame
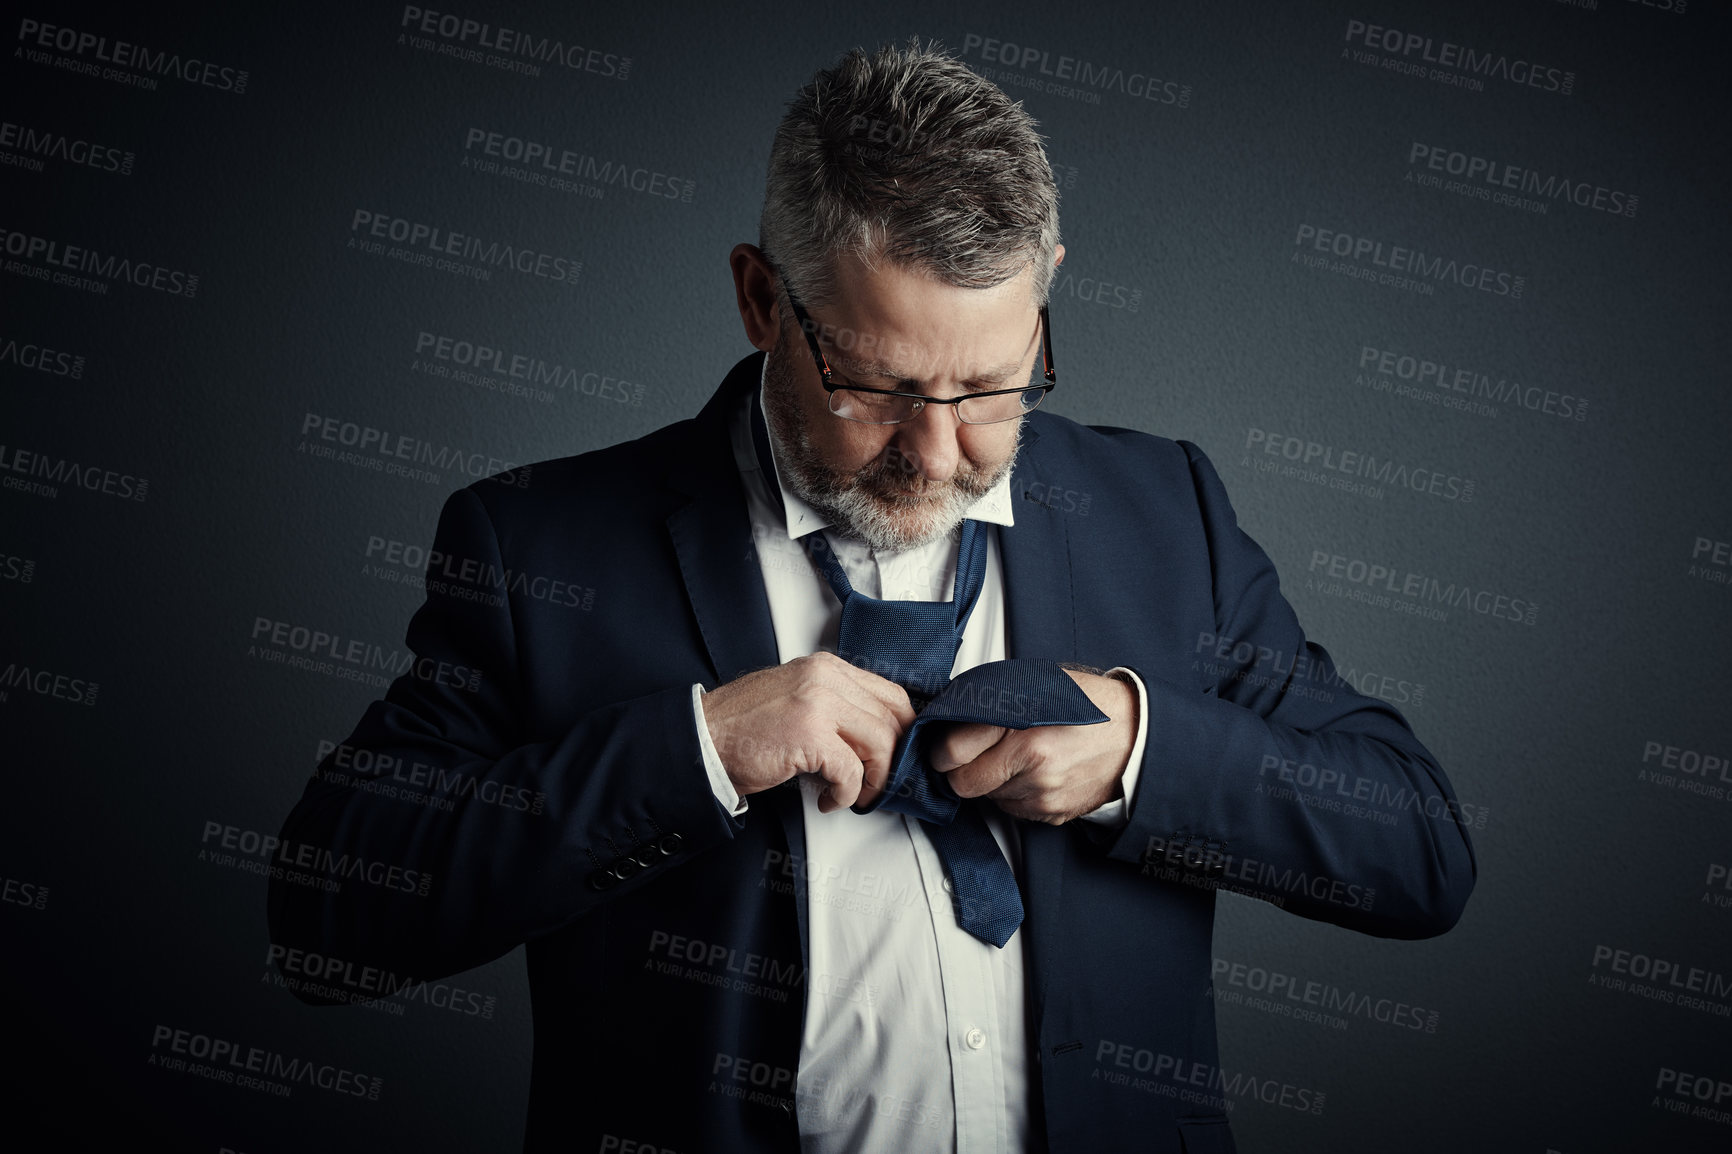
<point>808,327</point>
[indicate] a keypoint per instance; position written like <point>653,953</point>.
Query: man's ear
<point>1057,255</point>
<point>755,293</point>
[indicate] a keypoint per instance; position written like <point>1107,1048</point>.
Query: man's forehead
<point>905,361</point>
<point>859,353</point>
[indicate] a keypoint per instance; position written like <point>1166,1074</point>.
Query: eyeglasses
<point>890,407</point>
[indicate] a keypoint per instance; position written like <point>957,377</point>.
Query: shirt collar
<point>799,518</point>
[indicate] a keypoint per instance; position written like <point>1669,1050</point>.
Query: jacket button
<point>647,857</point>
<point>622,868</point>
<point>601,880</point>
<point>670,844</point>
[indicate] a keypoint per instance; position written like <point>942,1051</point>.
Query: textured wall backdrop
<point>1441,288</point>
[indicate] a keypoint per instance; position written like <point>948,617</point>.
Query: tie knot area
<point>1020,694</point>
<point>1017,694</point>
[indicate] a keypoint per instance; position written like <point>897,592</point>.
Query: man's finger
<point>950,744</point>
<point>997,764</point>
<point>883,692</point>
<point>872,733</point>
<point>842,769</point>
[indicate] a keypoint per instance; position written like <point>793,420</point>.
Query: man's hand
<point>1053,773</point>
<point>815,714</point>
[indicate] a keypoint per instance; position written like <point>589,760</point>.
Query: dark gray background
<point>1195,209</point>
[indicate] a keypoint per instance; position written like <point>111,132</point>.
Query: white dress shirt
<point>914,1035</point>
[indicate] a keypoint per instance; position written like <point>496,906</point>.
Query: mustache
<point>895,483</point>
<point>897,471</point>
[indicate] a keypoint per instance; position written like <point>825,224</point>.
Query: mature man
<point>776,898</point>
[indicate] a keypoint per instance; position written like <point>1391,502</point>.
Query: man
<point>739,935</point>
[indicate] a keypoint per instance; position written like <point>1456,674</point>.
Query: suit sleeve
<point>1280,780</point>
<point>1115,813</point>
<point>504,840</point>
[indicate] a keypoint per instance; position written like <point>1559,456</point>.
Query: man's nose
<point>927,443</point>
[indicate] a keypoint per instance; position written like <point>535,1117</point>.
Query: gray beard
<point>874,503</point>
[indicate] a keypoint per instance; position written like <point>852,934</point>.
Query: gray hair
<point>908,156</point>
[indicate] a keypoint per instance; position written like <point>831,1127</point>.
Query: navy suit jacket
<point>576,817</point>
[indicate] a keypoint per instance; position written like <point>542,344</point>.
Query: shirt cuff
<point>1117,812</point>
<point>720,785</point>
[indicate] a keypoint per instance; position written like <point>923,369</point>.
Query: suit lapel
<point>712,536</point>
<point>1039,623</point>
<point>1037,563</point>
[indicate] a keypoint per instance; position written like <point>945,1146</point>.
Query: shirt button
<point>976,1038</point>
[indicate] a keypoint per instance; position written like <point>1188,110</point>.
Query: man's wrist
<point>1117,810</point>
<point>720,784</point>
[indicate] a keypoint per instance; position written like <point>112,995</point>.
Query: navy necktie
<point>914,644</point>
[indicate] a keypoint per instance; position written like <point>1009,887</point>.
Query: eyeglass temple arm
<point>1046,348</point>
